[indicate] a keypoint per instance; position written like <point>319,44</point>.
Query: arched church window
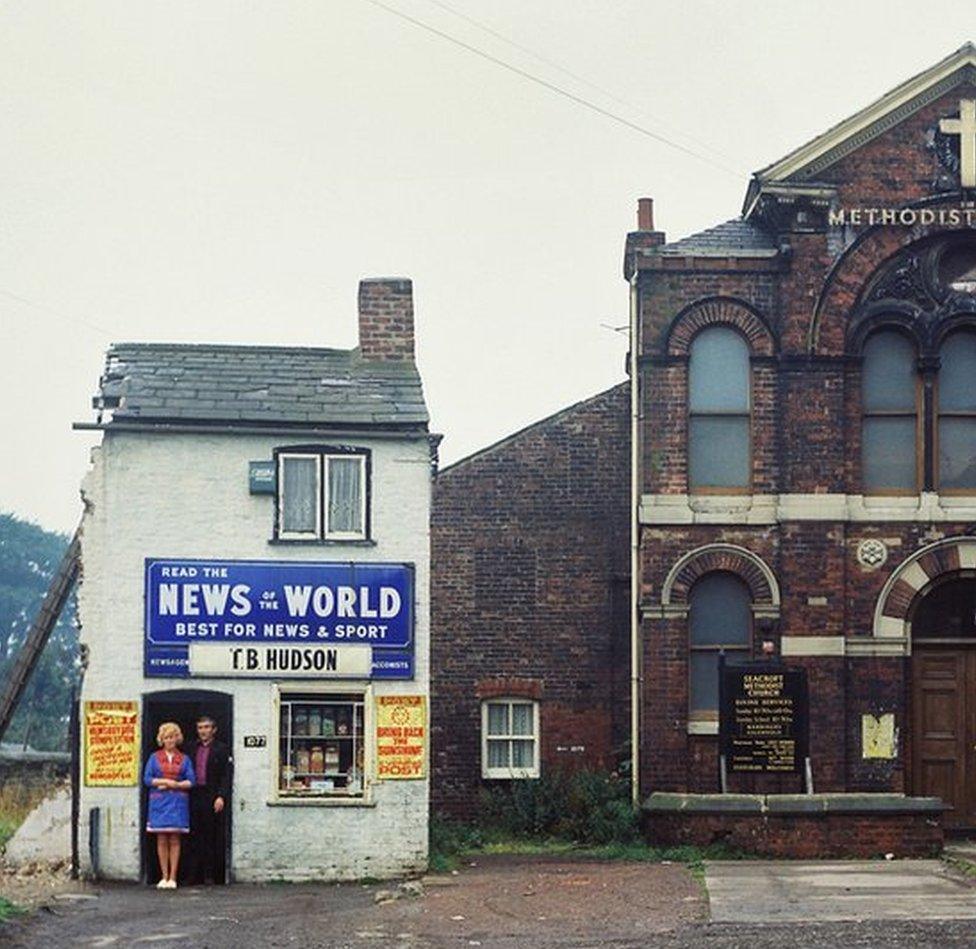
<point>719,406</point>
<point>719,619</point>
<point>957,413</point>
<point>889,400</point>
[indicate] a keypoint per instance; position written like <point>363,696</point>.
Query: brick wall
<point>529,559</point>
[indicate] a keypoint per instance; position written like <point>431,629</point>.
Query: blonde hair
<point>169,728</point>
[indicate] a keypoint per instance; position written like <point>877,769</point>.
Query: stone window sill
<point>320,802</point>
<point>279,542</point>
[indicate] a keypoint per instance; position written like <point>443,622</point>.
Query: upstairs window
<point>889,429</point>
<point>719,411</point>
<point>719,620</point>
<point>322,495</point>
<point>957,414</point>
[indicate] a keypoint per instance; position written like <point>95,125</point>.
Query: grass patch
<point>452,842</point>
<point>9,910</point>
<point>16,802</point>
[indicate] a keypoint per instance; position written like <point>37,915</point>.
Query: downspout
<point>635,650</point>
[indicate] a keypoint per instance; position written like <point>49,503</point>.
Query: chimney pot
<point>645,214</point>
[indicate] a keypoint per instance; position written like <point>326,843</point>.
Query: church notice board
<point>111,732</point>
<point>763,718</point>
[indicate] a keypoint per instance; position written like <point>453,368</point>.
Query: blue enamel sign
<point>276,603</point>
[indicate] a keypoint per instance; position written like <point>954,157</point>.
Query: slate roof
<point>240,385</point>
<point>735,238</point>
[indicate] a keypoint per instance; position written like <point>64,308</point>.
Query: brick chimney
<point>644,239</point>
<point>386,319</point>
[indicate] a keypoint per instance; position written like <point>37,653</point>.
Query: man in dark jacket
<point>209,801</point>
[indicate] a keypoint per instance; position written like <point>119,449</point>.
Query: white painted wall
<point>186,496</point>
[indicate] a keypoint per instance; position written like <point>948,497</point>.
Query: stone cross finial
<point>965,128</point>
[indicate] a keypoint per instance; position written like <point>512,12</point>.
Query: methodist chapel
<point>796,450</point>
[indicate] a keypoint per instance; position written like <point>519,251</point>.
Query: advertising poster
<point>111,735</point>
<point>260,618</point>
<point>401,737</point>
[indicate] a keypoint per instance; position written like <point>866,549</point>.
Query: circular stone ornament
<point>872,553</point>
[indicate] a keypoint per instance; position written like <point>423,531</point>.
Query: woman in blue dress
<point>169,777</point>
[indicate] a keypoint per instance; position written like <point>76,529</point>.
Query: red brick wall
<point>804,838</point>
<point>529,562</point>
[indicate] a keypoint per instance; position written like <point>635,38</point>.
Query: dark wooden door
<point>943,733</point>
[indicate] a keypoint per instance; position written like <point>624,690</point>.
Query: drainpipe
<point>635,650</point>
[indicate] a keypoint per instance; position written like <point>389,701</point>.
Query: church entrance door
<point>944,699</point>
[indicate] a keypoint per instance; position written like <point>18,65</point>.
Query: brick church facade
<point>807,473</point>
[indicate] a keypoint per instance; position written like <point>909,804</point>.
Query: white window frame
<point>509,773</point>
<point>344,535</point>
<point>322,529</point>
<point>299,535</point>
<point>326,799</point>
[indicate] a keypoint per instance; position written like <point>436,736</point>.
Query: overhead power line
<point>610,94</point>
<point>552,87</point>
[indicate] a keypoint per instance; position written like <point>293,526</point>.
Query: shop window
<point>957,414</point>
<point>719,447</point>
<point>321,745</point>
<point>322,495</point>
<point>510,739</point>
<point>889,427</point>
<point>719,620</point>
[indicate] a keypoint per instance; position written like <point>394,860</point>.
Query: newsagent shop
<point>255,553</point>
<point>804,438</point>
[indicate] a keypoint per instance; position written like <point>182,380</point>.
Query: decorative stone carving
<point>871,553</point>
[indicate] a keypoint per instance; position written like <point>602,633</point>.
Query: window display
<point>321,745</point>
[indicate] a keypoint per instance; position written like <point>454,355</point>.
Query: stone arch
<point>746,565</point>
<point>726,311</point>
<point>912,579</point>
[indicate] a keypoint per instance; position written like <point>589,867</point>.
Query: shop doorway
<point>944,699</point>
<point>185,706</point>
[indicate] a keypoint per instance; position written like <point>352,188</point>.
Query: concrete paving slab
<point>754,891</point>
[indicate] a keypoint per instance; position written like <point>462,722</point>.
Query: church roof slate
<point>734,238</point>
<point>242,385</point>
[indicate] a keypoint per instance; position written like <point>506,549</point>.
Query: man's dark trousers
<point>208,834</point>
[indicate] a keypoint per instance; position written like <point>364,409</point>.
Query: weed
<point>8,910</point>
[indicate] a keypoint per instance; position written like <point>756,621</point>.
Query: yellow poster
<point>878,738</point>
<point>401,736</point>
<point>111,732</point>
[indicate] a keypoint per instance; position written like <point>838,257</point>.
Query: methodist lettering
<point>905,217</point>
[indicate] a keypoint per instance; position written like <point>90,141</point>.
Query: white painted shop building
<point>255,547</point>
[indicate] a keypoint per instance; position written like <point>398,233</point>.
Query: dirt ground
<point>495,901</point>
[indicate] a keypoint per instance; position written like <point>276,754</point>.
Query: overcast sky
<point>227,172</point>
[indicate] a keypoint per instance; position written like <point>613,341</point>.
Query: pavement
<point>508,902</point>
<point>760,891</point>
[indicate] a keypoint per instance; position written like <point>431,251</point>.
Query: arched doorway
<point>943,629</point>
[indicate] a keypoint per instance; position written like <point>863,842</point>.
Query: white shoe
<point>162,885</point>
<point>171,884</point>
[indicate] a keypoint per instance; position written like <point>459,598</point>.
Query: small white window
<point>346,514</point>
<point>299,496</point>
<point>509,739</point>
<point>321,745</point>
<point>322,496</point>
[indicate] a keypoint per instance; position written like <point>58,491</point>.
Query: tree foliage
<point>29,557</point>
